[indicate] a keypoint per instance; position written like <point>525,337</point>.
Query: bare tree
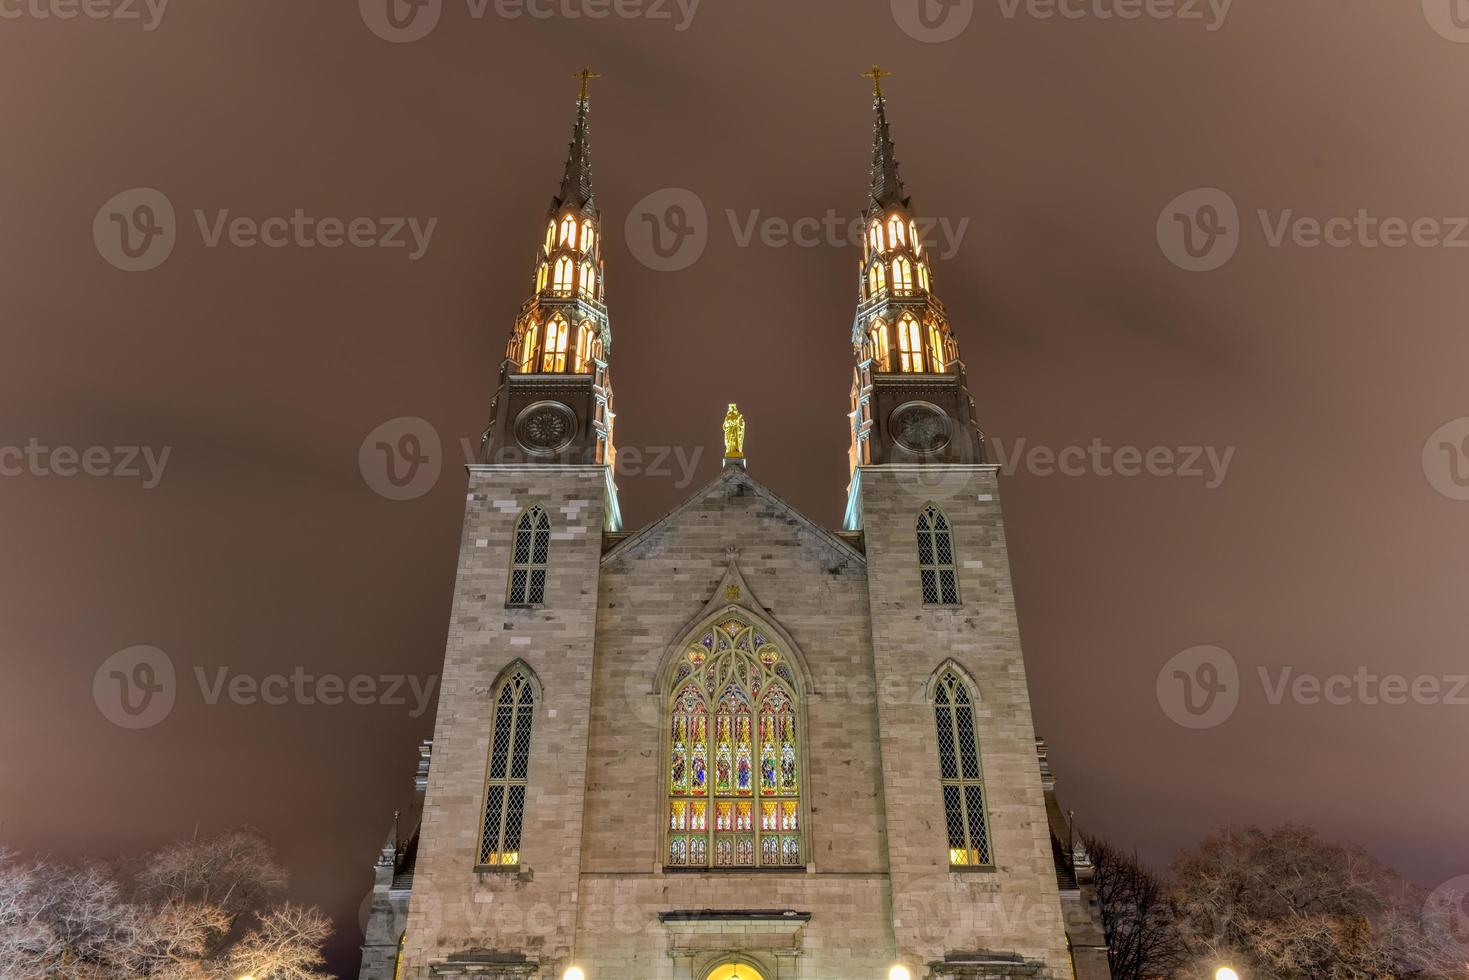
<point>195,910</point>
<point>1143,941</point>
<point>1287,905</point>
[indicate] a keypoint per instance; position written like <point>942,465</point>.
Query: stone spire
<point>576,179</point>
<point>887,186</point>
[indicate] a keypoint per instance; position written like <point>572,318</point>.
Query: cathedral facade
<point>734,743</point>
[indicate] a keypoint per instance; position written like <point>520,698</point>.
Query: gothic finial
<point>877,74</point>
<point>586,75</point>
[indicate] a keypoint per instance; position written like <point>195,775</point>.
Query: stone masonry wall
<point>1015,907</point>
<point>532,910</point>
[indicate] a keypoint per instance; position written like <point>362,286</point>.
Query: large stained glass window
<point>734,780</point>
<point>963,782</point>
<point>509,768</point>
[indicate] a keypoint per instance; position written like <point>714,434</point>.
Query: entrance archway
<point>735,971</point>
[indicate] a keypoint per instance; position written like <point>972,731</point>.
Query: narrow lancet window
<point>960,774</point>
<point>509,769</point>
<point>530,555</point>
<point>937,573</point>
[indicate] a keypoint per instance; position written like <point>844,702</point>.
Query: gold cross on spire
<point>586,75</point>
<point>877,74</point>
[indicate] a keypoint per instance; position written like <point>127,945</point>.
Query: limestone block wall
<point>531,910</point>
<point>937,911</point>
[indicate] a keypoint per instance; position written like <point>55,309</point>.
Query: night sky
<point>1333,545</point>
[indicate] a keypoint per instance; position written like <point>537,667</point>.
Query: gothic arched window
<point>554,359</point>
<point>562,281</point>
<point>734,754</point>
<point>880,351</point>
<point>540,277</point>
<point>936,566</point>
<point>509,768</point>
<point>568,230</point>
<point>915,238</point>
<point>530,552</point>
<point>910,344</point>
<point>896,231</point>
<point>874,236</point>
<point>923,276</point>
<point>550,237</point>
<point>902,275</point>
<point>588,280</point>
<point>584,348</point>
<point>936,361</point>
<point>588,235</point>
<point>528,348</point>
<point>959,771</point>
<point>876,279</point>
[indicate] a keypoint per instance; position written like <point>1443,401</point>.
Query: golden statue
<point>734,434</point>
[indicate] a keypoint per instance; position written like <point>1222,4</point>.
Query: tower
<point>522,631</point>
<point>910,399</point>
<point>945,637</point>
<point>554,400</point>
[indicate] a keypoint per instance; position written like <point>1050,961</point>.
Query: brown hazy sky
<point>262,549</point>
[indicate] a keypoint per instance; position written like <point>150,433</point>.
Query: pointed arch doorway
<point>734,971</point>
